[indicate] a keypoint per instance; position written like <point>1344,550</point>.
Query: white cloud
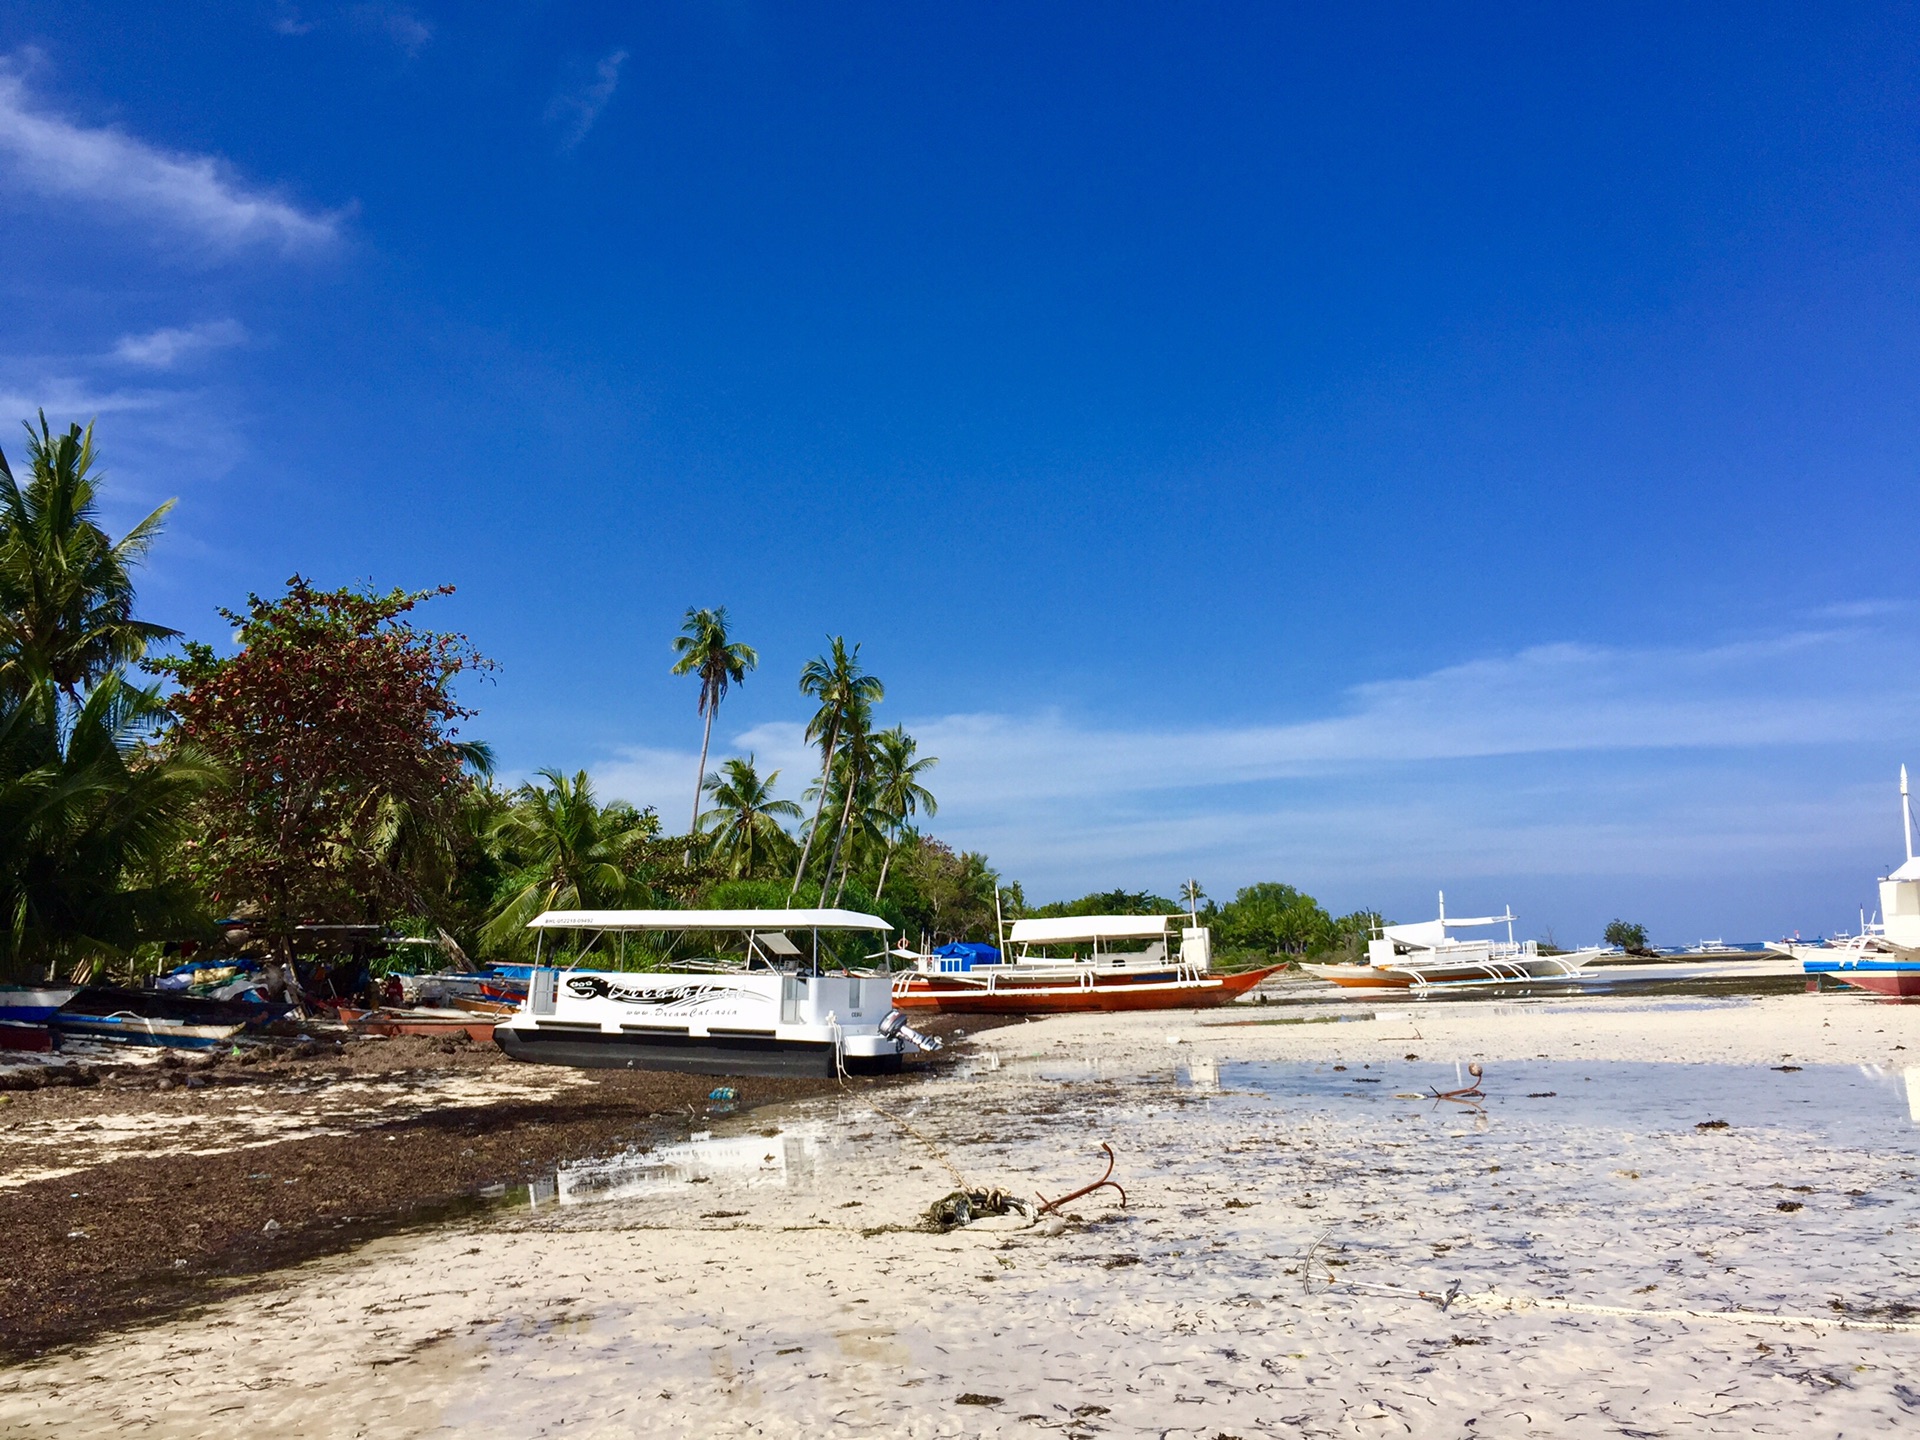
<point>195,194</point>
<point>1697,767</point>
<point>576,109</point>
<point>165,348</point>
<point>396,22</point>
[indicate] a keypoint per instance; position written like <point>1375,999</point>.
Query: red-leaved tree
<point>335,725</point>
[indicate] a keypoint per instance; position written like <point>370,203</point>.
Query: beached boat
<point>771,1012</point>
<point>149,1017</point>
<point>34,1004</point>
<point>433,1024</point>
<point>1081,963</point>
<point>1425,956</point>
<point>1883,957</point>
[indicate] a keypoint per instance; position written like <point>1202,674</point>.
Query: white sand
<point>1192,1312</point>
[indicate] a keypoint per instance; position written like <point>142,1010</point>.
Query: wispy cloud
<point>396,22</point>
<point>575,109</point>
<point>195,194</point>
<point>170,347</point>
<point>1702,766</point>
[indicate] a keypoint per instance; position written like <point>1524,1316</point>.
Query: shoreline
<point>1628,1268</point>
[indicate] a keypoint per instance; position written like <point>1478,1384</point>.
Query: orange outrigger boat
<point>1092,976</point>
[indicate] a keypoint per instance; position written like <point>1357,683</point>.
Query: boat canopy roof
<point>1069,928</point>
<point>748,920</point>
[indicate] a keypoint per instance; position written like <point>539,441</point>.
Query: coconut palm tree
<point>91,817</point>
<point>837,682</point>
<point>571,853</point>
<point>852,771</point>
<point>745,819</point>
<point>706,650</point>
<point>66,595</point>
<point>897,792</point>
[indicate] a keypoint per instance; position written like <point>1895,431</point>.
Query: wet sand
<point>1637,1267</point>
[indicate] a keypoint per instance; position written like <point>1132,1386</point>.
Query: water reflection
<point>1848,1104</point>
<point>742,1161</point>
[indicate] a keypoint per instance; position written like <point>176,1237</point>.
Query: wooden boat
<point>1883,958</point>
<point>1097,973</point>
<point>434,1024</point>
<point>148,1017</point>
<point>1425,956</point>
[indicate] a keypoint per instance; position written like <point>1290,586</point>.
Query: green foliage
<point>1109,902</point>
<point>940,893</point>
<point>744,831</point>
<point>706,649</point>
<point>90,820</point>
<point>844,695</point>
<point>565,851</point>
<point>335,713</point>
<point>1626,935</point>
<point>1275,919</point>
<point>66,592</point>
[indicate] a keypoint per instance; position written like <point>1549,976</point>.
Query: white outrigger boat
<point>1424,956</point>
<point>772,1013</point>
<point>1883,957</point>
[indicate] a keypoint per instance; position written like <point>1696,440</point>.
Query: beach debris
<point>1105,1181</point>
<point>1465,1092</point>
<point>272,1227</point>
<point>973,1398</point>
<point>1712,1125</point>
<point>723,1092</point>
<point>960,1208</point>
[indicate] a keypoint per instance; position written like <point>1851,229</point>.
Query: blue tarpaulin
<point>968,950</point>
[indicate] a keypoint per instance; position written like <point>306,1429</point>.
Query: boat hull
<point>34,1005</point>
<point>1359,977</point>
<point>746,1055</point>
<point>1007,994</point>
<point>1882,977</point>
<point>400,1022</point>
<point>144,1030</point>
<point>22,1035</point>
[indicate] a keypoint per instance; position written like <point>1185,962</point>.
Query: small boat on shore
<point>1110,962</point>
<point>1883,957</point>
<point>34,1004</point>
<point>433,1024</point>
<point>773,1012</point>
<point>149,1017</point>
<point>1424,956</point>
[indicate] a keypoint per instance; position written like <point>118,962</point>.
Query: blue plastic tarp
<point>969,950</point>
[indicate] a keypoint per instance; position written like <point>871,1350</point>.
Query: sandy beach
<point>1703,1244</point>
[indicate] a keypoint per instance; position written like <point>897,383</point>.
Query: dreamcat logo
<point>679,1000</point>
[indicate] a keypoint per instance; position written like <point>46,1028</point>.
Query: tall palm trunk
<point>885,861</point>
<point>806,849</point>
<point>839,838</point>
<point>693,826</point>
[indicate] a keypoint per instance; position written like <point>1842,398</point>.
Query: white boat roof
<point>706,920</point>
<point>1089,927</point>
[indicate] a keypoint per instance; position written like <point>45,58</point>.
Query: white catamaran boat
<point>1424,955</point>
<point>771,1013</point>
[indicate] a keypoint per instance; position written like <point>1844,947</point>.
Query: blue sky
<point>1400,448</point>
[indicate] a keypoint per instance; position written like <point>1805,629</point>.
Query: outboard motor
<point>895,1027</point>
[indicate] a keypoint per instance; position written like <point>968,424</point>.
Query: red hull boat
<point>1008,993</point>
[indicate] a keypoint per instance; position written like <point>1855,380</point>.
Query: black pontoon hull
<point>696,1055</point>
